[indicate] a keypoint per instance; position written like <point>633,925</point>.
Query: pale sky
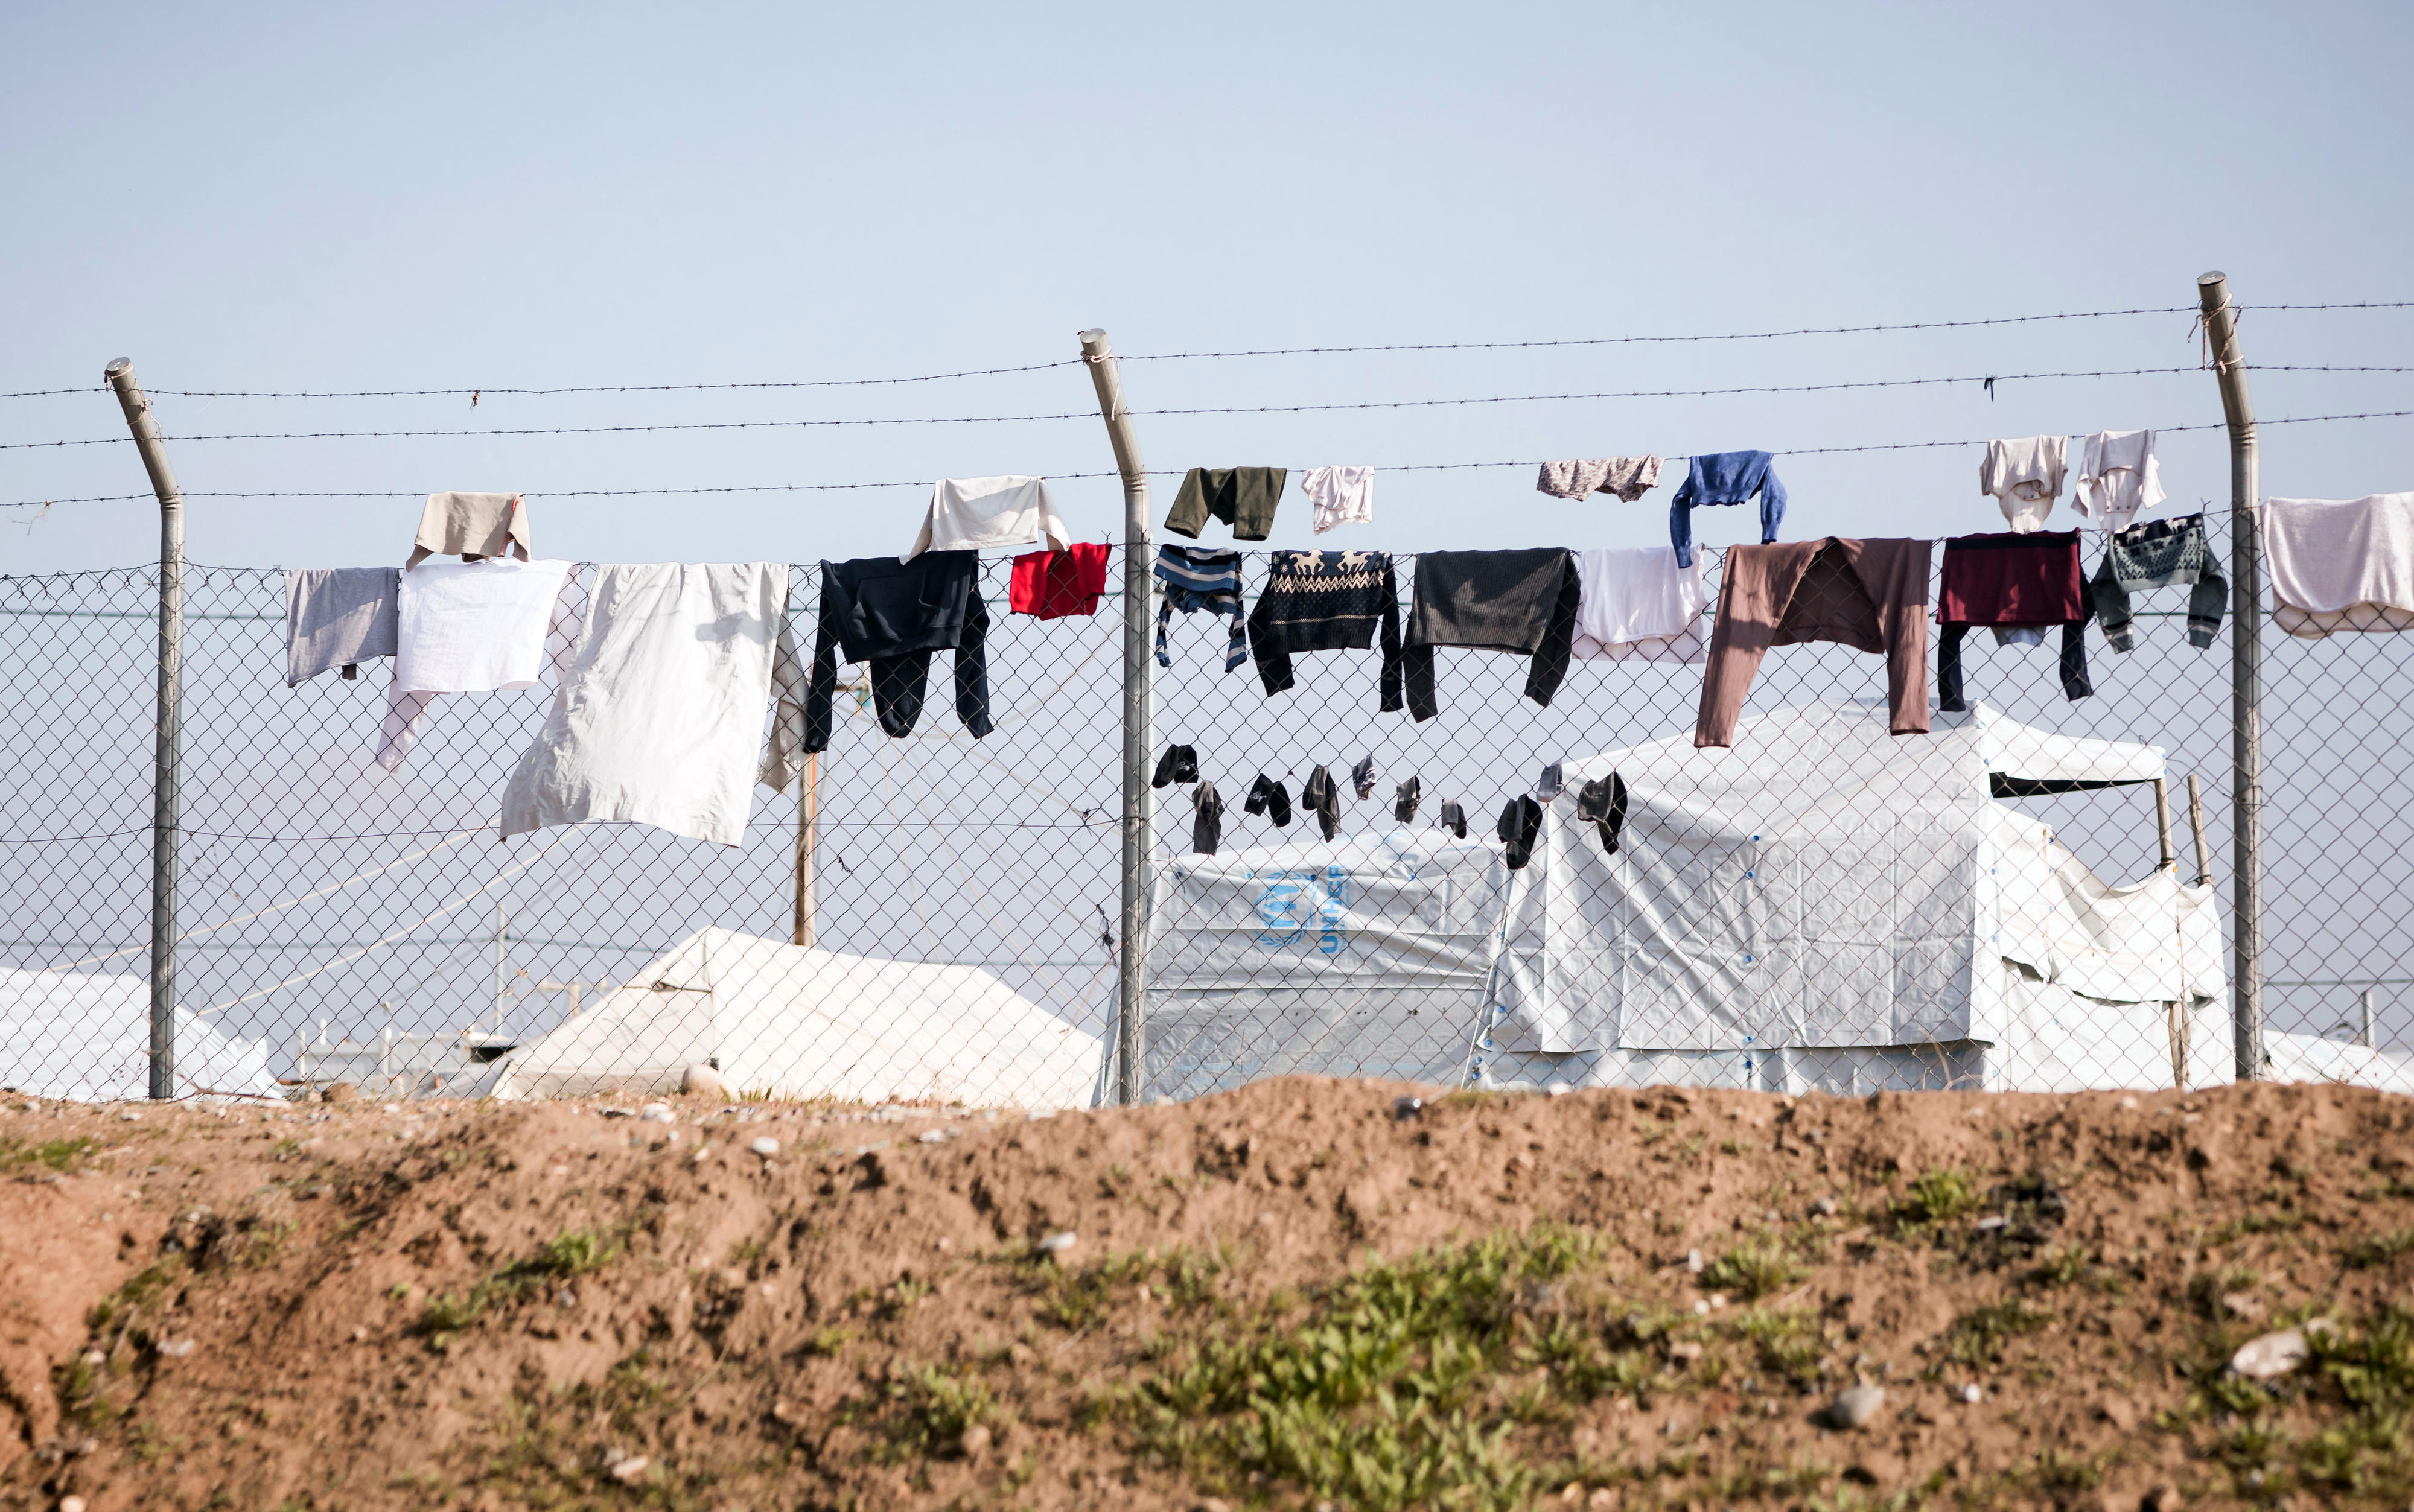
<point>455,195</point>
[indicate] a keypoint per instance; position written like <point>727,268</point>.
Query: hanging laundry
<point>1553,782</point>
<point>1869,595</point>
<point>1179,763</point>
<point>2341,564</point>
<point>1322,798</point>
<point>1059,584</point>
<point>783,747</point>
<point>1326,601</point>
<point>1602,803</point>
<point>661,708</point>
<point>1522,602</point>
<point>337,616</point>
<point>1725,478</point>
<point>894,615</point>
<point>968,514</point>
<point>1242,497</point>
<point>1638,605</point>
<point>1519,823</point>
<point>2012,581</point>
<point>466,627</point>
<point>472,524</point>
<point>2159,553</point>
<point>2117,478</point>
<point>1403,800</point>
<point>1629,478</point>
<point>1266,796</point>
<point>1342,495</point>
<point>1362,779</point>
<point>2025,478</point>
<point>1196,580</point>
<point>1207,819</point>
<point>1453,818</point>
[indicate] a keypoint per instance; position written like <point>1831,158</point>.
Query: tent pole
<point>808,809</point>
<point>2246,681</point>
<point>2169,860</point>
<point>2196,827</point>
<point>1138,820</point>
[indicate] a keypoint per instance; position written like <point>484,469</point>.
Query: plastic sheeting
<point>1357,958</point>
<point>87,1038</point>
<point>1824,885</point>
<point>793,1022</point>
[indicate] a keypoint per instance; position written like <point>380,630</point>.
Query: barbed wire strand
<point>1185,356</point>
<point>1988,381</point>
<point>1065,477</point>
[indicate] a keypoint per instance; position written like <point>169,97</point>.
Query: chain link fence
<point>934,917</point>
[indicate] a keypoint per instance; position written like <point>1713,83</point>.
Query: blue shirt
<point>1725,478</point>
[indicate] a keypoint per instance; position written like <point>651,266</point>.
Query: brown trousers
<point>1869,595</point>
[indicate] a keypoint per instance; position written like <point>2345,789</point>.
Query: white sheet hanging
<point>2341,564</point>
<point>1638,603</point>
<point>466,627</point>
<point>968,514</point>
<point>661,712</point>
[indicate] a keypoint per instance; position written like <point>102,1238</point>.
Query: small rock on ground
<point>766,1146</point>
<point>1855,1405</point>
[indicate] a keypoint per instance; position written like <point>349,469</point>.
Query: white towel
<point>466,627</point>
<point>2025,476</point>
<point>2341,564</point>
<point>967,514</point>
<point>660,711</point>
<point>1342,495</point>
<point>1636,603</point>
<point>2117,478</point>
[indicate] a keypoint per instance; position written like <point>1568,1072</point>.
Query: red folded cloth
<point>2012,579</point>
<point>1051,584</point>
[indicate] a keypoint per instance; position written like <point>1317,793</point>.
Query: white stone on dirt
<point>2272,1356</point>
<point>1059,1243</point>
<point>766,1146</point>
<point>658,1113</point>
<point>1827,1206</point>
<point>1855,1405</point>
<point>632,1470</point>
<point>70,1503</point>
<point>1971,1394</point>
<point>176,1348</point>
<point>974,1441</point>
<point>1693,1261</point>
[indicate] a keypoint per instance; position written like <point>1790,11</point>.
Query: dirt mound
<point>1298,1293</point>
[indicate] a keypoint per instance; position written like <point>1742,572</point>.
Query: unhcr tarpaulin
<point>87,1038</point>
<point>793,1022</point>
<point>1358,957</point>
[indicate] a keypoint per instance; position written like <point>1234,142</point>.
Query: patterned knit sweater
<point>1326,601</point>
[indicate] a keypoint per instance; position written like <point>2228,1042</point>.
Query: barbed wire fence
<point>342,923</point>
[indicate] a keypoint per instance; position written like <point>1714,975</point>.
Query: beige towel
<point>472,524</point>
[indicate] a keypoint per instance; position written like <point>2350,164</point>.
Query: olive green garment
<point>1242,497</point>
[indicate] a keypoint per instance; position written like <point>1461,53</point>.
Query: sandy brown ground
<point>481,1306</point>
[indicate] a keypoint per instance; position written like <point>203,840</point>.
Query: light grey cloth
<point>337,616</point>
<point>472,524</point>
<point>1629,478</point>
<point>783,750</point>
<point>2025,478</point>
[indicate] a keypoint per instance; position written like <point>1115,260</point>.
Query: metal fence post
<point>2245,679</point>
<point>167,737</point>
<point>1131,1021</point>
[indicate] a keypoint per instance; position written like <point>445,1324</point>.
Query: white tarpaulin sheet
<point>1823,884</point>
<point>87,1038</point>
<point>791,1021</point>
<point>1363,956</point>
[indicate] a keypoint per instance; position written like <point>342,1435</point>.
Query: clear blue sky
<point>445,194</point>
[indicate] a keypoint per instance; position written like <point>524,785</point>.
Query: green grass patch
<point>2380,1249</point>
<point>575,1252</point>
<point>1978,1336</point>
<point>64,1156</point>
<point>1187,1276</point>
<point>1937,1196</point>
<point>1754,1268</point>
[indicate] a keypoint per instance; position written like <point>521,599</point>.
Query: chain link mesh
<point>340,922</point>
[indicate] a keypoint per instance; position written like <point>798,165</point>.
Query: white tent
<point>1823,905</point>
<point>790,1021</point>
<point>87,1038</point>
<point>1826,905</point>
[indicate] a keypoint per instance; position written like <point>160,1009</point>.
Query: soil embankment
<point>1290,1295</point>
